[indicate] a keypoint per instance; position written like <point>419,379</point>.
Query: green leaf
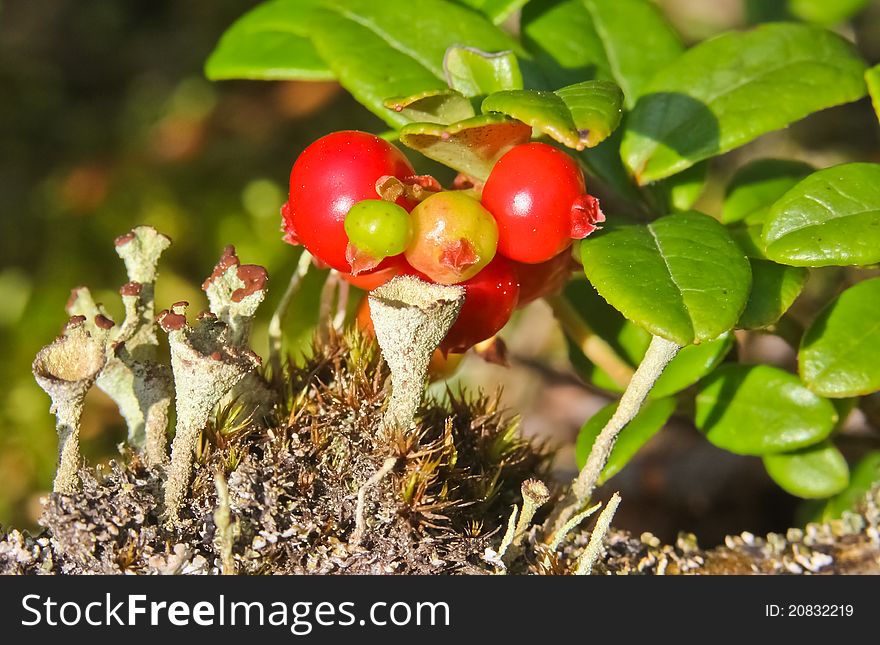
<point>631,342</point>
<point>395,48</point>
<point>496,10</point>
<point>648,422</point>
<point>596,108</point>
<point>872,78</point>
<point>748,238</point>
<point>864,475</point>
<point>471,146</point>
<point>561,36</point>
<point>831,218</point>
<point>774,288</point>
<point>576,116</point>
<point>760,409</point>
<point>544,111</point>
<point>681,277</point>
<point>823,12</point>
<point>433,106</point>
<point>757,185</point>
<point>270,42</point>
<point>477,73</point>
<point>731,89</point>
<point>680,192</point>
<point>840,352</point>
<point>812,473</point>
<point>637,40</point>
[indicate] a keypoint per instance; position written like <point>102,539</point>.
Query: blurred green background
<point>107,122</point>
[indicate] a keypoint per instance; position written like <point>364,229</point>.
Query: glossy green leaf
<point>729,90</point>
<point>477,73</point>
<point>637,39</point>
<point>757,185</point>
<point>596,109</point>
<point>433,106</point>
<point>748,238</point>
<point>496,10</point>
<point>471,146</point>
<point>631,342</point>
<point>680,192</point>
<point>826,12</point>
<point>544,111</point>
<point>840,352</point>
<point>812,473</point>
<point>577,116</point>
<point>872,78</point>
<point>270,42</point>
<point>648,422</point>
<point>395,48</point>
<point>681,277</point>
<point>760,409</point>
<point>865,474</point>
<point>561,36</point>
<point>831,218</point>
<point>774,288</point>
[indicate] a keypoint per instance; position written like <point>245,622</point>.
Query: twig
<point>597,538</point>
<point>276,324</point>
<point>660,353</point>
<point>360,520</point>
<point>593,347</point>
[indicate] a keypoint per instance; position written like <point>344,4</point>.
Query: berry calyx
<point>453,237</point>
<point>376,230</point>
<point>538,197</point>
<point>387,269</point>
<point>490,298</point>
<point>328,178</point>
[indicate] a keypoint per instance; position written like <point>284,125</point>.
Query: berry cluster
<point>358,206</point>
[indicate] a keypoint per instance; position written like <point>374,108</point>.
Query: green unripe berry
<point>378,228</point>
<point>454,237</point>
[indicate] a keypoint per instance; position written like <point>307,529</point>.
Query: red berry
<point>490,299</point>
<point>537,280</point>
<point>453,237</point>
<point>328,178</point>
<point>538,197</point>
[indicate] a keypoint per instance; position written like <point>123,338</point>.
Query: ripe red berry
<point>453,237</point>
<point>538,197</point>
<point>490,299</point>
<point>327,179</point>
<point>538,280</point>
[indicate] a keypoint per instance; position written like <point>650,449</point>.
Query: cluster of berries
<point>358,206</point>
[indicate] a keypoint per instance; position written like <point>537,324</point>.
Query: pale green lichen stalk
<point>66,369</point>
<point>133,377</point>
<point>206,366</point>
<point>411,317</point>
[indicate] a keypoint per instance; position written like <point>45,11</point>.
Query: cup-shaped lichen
<point>411,317</point>
<point>206,366</point>
<point>66,369</point>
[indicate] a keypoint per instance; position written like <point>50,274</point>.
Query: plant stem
<point>593,347</point>
<point>789,330</point>
<point>276,324</point>
<point>660,353</point>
